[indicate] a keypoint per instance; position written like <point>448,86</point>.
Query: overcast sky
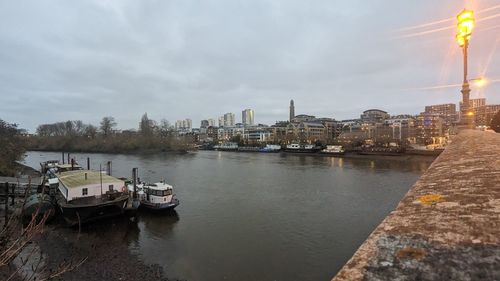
<point>82,60</point>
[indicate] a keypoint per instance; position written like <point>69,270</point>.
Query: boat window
<point>85,191</point>
<point>167,192</point>
<point>110,187</point>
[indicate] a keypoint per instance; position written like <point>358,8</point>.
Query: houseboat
<point>248,149</point>
<point>155,196</point>
<point>85,195</point>
<point>301,148</point>
<point>387,151</point>
<point>227,146</point>
<point>333,150</point>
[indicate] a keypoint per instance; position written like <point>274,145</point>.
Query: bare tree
<point>146,126</point>
<point>90,131</point>
<point>107,125</point>
<point>165,127</point>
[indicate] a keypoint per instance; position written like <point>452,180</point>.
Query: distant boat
<point>270,148</point>
<point>333,150</point>
<point>155,196</point>
<point>227,146</point>
<point>248,149</point>
<point>388,151</point>
<point>302,148</point>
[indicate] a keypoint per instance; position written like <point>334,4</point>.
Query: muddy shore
<point>105,247</point>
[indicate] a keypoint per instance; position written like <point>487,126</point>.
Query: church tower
<point>292,110</point>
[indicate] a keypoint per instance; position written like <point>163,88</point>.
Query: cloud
<point>199,59</point>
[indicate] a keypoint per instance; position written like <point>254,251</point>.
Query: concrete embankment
<point>447,227</point>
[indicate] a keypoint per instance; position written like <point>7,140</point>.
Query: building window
<point>110,187</point>
<point>85,191</point>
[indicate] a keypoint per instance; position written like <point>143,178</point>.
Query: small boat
<point>155,196</point>
<point>333,150</point>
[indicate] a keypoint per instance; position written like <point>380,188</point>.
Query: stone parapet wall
<point>447,227</point>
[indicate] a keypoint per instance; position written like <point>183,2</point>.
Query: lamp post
<point>464,31</point>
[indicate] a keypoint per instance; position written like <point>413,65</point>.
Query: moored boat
<point>302,148</point>
<point>85,195</point>
<point>38,205</point>
<point>333,150</point>
<point>248,149</point>
<point>387,151</point>
<point>228,146</point>
<point>270,148</point>
<point>155,196</point>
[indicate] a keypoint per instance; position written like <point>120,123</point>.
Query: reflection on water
<point>251,216</point>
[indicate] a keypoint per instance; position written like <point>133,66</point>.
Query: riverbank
<point>115,143</point>
<point>353,155</point>
<point>104,246</point>
<point>129,152</point>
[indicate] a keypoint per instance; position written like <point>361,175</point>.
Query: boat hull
<point>332,153</point>
<point>38,205</point>
<point>159,206</point>
<point>301,150</point>
<point>75,214</point>
<point>383,153</point>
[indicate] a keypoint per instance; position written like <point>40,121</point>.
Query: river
<point>252,216</point>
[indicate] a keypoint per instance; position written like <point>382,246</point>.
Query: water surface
<point>251,216</point>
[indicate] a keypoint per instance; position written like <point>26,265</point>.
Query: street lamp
<point>464,31</point>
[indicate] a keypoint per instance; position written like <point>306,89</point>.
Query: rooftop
<point>72,179</point>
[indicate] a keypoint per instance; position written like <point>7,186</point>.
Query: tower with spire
<point>292,111</point>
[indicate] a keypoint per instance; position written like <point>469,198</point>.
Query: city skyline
<point>229,119</point>
<point>165,59</point>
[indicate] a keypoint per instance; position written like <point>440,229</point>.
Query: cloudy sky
<point>82,60</point>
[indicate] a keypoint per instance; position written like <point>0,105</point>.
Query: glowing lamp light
<point>465,26</point>
<point>480,82</point>
<point>460,40</point>
<point>470,113</point>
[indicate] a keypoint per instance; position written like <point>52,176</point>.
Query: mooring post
<point>108,167</point>
<point>134,178</point>
<point>27,190</point>
<point>68,158</point>
<point>63,157</point>
<point>13,193</point>
<point>72,164</point>
<point>6,185</point>
<point>88,163</point>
